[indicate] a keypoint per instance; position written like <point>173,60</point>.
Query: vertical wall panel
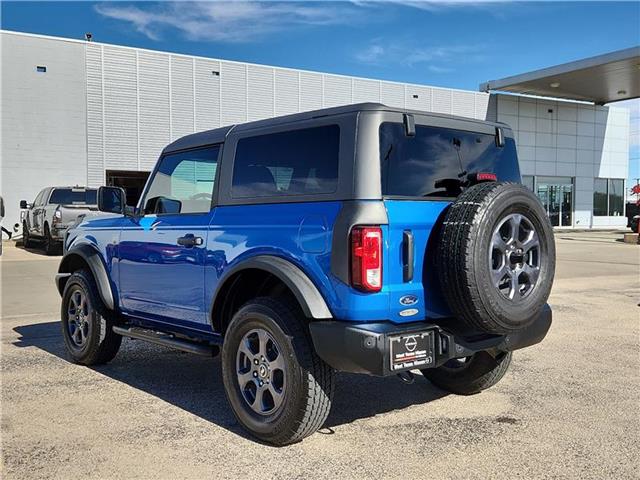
<point>441,100</point>
<point>366,91</point>
<point>287,92</point>
<point>207,94</point>
<point>310,91</point>
<point>463,103</point>
<point>153,86</point>
<point>95,153</point>
<point>484,107</point>
<point>423,100</point>
<point>233,85</point>
<point>120,109</point>
<point>259,92</point>
<point>182,115</point>
<point>392,94</point>
<point>337,91</point>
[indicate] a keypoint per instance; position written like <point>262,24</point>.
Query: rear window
<point>72,196</point>
<point>420,166</point>
<point>297,162</point>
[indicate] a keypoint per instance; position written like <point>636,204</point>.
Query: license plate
<point>414,350</point>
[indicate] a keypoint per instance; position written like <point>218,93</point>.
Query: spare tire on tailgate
<point>496,257</point>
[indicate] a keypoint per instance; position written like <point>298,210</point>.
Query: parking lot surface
<point>568,407</point>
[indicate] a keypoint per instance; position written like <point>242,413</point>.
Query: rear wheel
<point>50,245</point>
<point>279,389</point>
<point>86,322</point>
<point>470,375</point>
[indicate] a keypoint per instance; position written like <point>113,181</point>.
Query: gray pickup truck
<point>53,211</point>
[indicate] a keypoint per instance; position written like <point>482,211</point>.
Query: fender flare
<point>309,297</point>
<point>93,259</point>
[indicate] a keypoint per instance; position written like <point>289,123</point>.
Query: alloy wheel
<point>514,257</point>
<point>78,313</point>
<point>260,370</point>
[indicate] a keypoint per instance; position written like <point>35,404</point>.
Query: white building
<point>77,112</point>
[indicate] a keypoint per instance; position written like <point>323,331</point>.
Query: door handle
<point>407,256</point>
<point>190,240</point>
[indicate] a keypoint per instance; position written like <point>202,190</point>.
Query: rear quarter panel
<point>298,232</point>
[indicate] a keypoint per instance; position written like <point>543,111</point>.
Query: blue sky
<point>457,44</point>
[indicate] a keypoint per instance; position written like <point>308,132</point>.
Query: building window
<point>616,197</point>
<point>608,197</point>
<point>527,181</point>
<point>41,69</point>
<point>600,193</point>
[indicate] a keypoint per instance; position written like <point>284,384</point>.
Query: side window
<point>39,198</point>
<point>297,162</point>
<point>183,182</point>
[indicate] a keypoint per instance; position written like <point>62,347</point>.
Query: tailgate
<point>408,298</point>
<point>71,212</point>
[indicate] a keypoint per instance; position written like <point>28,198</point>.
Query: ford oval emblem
<point>408,300</point>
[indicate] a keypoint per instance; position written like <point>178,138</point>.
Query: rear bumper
<point>58,231</point>
<point>365,347</point>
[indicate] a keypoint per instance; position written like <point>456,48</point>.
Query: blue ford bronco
<point>363,239</point>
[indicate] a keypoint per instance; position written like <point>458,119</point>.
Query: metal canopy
<point>602,79</point>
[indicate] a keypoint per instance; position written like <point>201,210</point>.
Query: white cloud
<point>372,54</point>
<point>226,21</point>
<point>437,59</point>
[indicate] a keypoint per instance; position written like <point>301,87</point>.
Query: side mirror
<point>112,200</point>
<point>23,204</point>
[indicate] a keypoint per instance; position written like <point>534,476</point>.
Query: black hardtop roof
<point>218,135</point>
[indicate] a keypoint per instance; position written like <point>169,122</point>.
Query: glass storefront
<point>556,195</point>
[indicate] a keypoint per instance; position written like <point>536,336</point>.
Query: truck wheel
<point>49,243</point>
<point>279,389</point>
<point>26,238</point>
<point>470,375</point>
<point>86,322</point>
<point>496,258</point>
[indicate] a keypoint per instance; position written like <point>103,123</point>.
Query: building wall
<point>138,100</point>
<point>565,139</point>
<point>43,118</point>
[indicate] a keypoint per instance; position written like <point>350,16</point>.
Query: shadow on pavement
<point>36,247</point>
<point>194,383</point>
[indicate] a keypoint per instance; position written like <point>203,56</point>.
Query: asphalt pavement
<point>568,407</point>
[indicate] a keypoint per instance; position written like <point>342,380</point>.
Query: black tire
<point>308,381</point>
<point>100,343</point>
<point>50,245</point>
<point>471,376</point>
<point>26,237</point>
<point>472,227</point>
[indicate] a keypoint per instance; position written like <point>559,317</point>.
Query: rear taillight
<point>366,258</point>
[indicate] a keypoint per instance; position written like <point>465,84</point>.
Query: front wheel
<point>86,323</point>
<point>26,237</point>
<point>470,375</point>
<point>278,388</point>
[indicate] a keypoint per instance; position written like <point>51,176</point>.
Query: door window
<point>39,198</point>
<point>183,182</point>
